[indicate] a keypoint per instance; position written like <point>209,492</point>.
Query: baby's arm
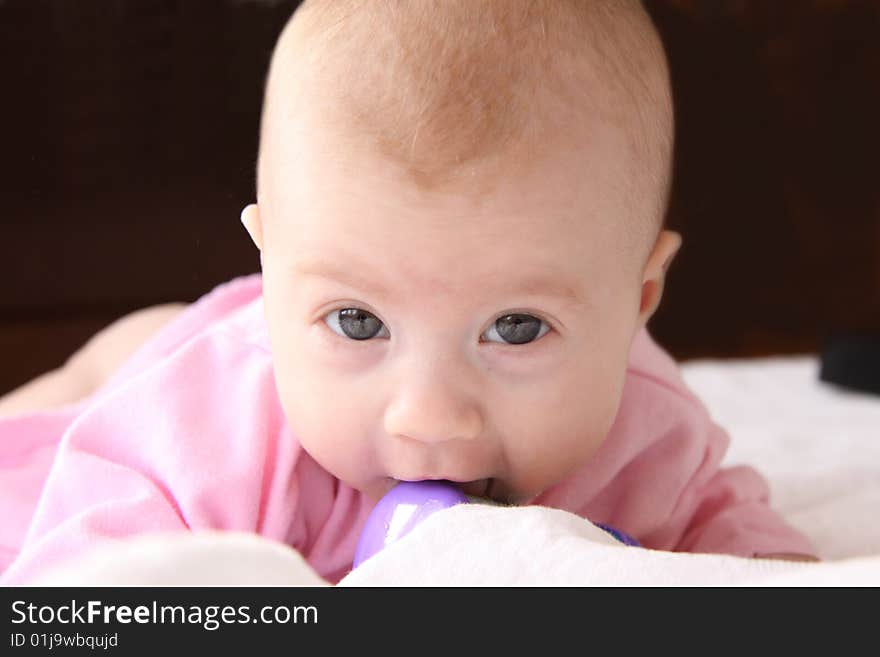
<point>687,500</point>
<point>195,441</point>
<point>731,513</point>
<point>91,365</point>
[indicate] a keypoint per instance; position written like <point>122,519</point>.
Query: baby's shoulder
<point>655,373</point>
<point>647,358</point>
<point>232,311</point>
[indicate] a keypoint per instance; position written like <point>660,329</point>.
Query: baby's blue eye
<point>518,328</point>
<point>354,323</point>
<point>359,324</point>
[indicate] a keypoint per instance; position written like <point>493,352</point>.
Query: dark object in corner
<point>852,361</point>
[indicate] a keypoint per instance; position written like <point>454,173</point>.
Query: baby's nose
<point>433,413</point>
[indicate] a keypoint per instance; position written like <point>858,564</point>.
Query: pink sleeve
<point>728,511</point>
<point>195,441</point>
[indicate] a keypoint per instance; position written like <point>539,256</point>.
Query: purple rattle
<point>401,509</point>
<point>408,504</point>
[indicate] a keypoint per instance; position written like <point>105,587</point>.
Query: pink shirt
<point>189,434</point>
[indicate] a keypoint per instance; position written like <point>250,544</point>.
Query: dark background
<point>128,141</point>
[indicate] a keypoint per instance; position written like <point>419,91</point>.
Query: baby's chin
<point>493,490</point>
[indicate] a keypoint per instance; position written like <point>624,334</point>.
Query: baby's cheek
<point>304,400</point>
<point>575,428</point>
<point>329,425</point>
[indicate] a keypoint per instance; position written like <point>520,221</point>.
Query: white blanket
<point>819,447</point>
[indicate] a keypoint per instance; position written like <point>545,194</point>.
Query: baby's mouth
<point>477,488</point>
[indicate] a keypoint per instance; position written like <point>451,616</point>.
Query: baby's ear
<point>250,217</point>
<point>667,245</point>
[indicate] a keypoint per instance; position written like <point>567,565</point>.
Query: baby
<point>460,218</point>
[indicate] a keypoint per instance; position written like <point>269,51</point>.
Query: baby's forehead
<point>330,203</point>
<point>320,180</point>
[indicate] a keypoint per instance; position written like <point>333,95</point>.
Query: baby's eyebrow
<point>537,284</point>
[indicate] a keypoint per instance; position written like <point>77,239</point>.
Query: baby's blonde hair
<point>439,84</point>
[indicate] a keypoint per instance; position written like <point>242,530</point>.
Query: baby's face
<point>432,335</point>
